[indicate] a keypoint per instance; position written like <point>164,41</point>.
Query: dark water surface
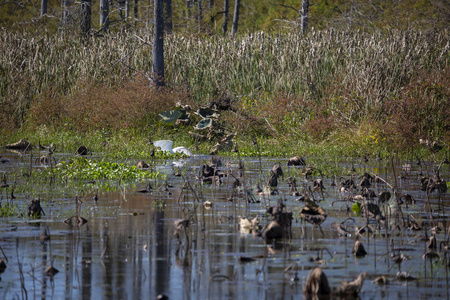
<point>127,249</point>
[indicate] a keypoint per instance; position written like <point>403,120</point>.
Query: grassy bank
<point>346,91</point>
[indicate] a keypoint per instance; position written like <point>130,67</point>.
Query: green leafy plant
<point>9,210</point>
<point>158,204</point>
<point>82,168</point>
<point>356,208</point>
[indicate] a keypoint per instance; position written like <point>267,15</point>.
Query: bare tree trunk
<point>127,9</point>
<point>226,5</point>
<point>304,15</point>
<point>237,4</point>
<point>121,8</point>
<point>158,44</point>
<point>135,12</point>
<point>168,25</point>
<point>199,15</point>
<point>85,24</point>
<point>211,4</point>
<point>43,7</point>
<point>352,8</point>
<point>189,5</point>
<point>66,13</point>
<point>104,14</point>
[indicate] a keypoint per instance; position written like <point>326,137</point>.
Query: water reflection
<point>128,249</point>
<point>159,257</point>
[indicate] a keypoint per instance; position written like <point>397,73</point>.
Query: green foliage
<point>354,84</point>
<point>255,15</point>
<point>9,210</point>
<point>83,169</point>
<point>158,204</point>
<point>356,208</point>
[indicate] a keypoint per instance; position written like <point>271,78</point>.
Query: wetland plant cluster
<point>366,209</point>
<point>332,100</point>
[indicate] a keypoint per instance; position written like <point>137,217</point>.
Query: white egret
<point>166,145</point>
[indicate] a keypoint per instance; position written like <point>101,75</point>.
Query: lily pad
<point>206,112</point>
<point>203,124</point>
<point>171,116</point>
<point>184,115</point>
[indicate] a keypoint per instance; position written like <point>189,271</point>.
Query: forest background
<point>360,77</point>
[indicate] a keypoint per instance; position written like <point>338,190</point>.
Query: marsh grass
<point>74,177</point>
<point>352,88</point>
<point>10,210</point>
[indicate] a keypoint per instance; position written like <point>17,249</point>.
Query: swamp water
<point>128,250</point>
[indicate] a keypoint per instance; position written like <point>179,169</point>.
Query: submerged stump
<point>34,209</point>
<point>317,284</point>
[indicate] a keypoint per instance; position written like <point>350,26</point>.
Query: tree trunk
<point>127,9</point>
<point>168,25</point>
<point>189,5</point>
<point>66,12</point>
<point>199,15</point>
<point>237,4</point>
<point>43,7</point>
<point>85,24</point>
<point>226,5</point>
<point>158,44</point>
<point>121,7</point>
<point>304,17</point>
<point>352,8</point>
<point>104,14</point>
<point>135,13</point>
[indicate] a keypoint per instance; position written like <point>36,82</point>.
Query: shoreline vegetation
<point>335,92</point>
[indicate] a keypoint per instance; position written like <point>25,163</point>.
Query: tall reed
<point>362,69</point>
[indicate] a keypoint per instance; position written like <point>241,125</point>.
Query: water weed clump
<point>81,168</point>
<point>10,210</point>
<point>80,175</point>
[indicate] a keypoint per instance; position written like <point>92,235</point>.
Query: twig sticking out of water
<point>376,177</point>
<point>4,255</point>
<point>121,175</point>
<point>50,270</point>
<point>22,278</point>
<point>186,182</point>
<point>181,224</point>
<point>31,163</point>
<point>79,220</point>
<point>105,244</point>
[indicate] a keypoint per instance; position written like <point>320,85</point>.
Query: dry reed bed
<point>370,66</point>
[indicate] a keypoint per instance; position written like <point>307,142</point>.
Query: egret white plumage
<point>166,145</point>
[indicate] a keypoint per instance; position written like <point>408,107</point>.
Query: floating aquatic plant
<point>356,208</point>
<point>82,168</point>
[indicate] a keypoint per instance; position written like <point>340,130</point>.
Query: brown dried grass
<point>421,111</point>
<point>128,105</point>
